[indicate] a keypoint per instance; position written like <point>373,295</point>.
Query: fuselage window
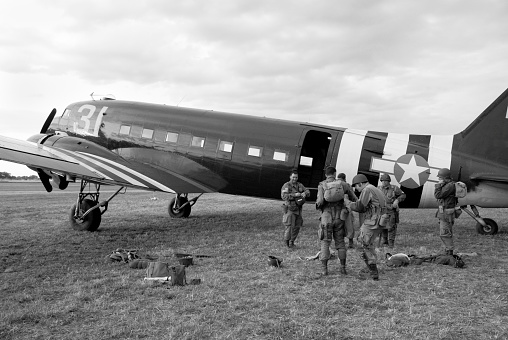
<point>172,137</point>
<point>125,129</point>
<point>255,151</point>
<point>306,161</point>
<point>147,133</point>
<point>225,146</point>
<point>280,156</point>
<point>136,131</point>
<point>198,142</point>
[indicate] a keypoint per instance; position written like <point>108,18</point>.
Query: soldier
<point>349,226</point>
<point>372,203</point>
<point>444,192</point>
<point>394,195</point>
<point>293,193</point>
<point>330,200</point>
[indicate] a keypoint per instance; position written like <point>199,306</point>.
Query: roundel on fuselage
<point>411,171</point>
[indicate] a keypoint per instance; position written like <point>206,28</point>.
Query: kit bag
<point>333,191</point>
<point>158,269</point>
<point>460,190</point>
<point>178,277</point>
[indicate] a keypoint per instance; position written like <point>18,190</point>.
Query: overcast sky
<point>424,67</point>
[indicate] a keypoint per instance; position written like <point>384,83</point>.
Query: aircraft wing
<point>62,162</point>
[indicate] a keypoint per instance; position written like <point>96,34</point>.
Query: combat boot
<point>287,244</point>
<point>390,244</point>
<point>324,267</point>
<point>449,252</point>
<point>373,272</point>
<point>292,244</point>
<point>343,267</point>
<point>351,244</point>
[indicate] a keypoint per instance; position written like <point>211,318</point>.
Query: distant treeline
<point>6,175</point>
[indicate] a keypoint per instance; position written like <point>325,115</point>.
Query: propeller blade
<point>48,121</point>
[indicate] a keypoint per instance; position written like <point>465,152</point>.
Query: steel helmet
<point>274,261</point>
<point>444,173</point>
<point>360,178</point>
<point>385,177</point>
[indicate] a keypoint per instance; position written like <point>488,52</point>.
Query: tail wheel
<point>490,229</point>
<point>91,222</point>
<point>185,212</point>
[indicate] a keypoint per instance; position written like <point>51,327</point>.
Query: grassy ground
<point>55,283</point>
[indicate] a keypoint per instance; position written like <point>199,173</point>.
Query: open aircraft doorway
<point>313,158</point>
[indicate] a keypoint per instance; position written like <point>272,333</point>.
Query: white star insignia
<point>412,170</point>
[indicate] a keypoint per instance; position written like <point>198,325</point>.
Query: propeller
<point>48,121</point>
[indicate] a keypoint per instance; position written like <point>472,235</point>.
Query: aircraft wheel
<point>490,229</point>
<point>91,221</point>
<point>182,213</point>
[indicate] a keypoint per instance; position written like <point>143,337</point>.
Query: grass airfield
<point>56,283</point>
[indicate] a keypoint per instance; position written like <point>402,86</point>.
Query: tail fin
<point>487,135</point>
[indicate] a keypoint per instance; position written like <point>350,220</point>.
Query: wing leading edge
<point>72,163</point>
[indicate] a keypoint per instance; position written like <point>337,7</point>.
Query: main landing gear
<point>180,206</point>
<point>86,213</point>
<point>484,226</point>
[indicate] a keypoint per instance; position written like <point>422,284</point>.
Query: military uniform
<point>392,193</point>
<point>444,192</point>
<point>332,225</point>
<point>373,204</point>
<point>292,218</point>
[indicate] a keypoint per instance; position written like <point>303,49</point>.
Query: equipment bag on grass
<point>178,277</point>
<point>158,269</point>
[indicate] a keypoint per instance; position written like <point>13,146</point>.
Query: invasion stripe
<point>135,173</point>
<point>350,150</point>
<point>418,144</point>
<point>373,146</point>
<point>395,146</point>
<point>440,156</point>
<point>114,171</point>
<point>72,158</point>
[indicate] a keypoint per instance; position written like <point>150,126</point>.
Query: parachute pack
<point>460,190</point>
<point>333,191</point>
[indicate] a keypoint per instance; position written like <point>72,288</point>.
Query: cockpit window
<point>66,113</point>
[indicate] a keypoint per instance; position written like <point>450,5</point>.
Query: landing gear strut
<point>180,206</point>
<point>484,226</point>
<point>86,213</point>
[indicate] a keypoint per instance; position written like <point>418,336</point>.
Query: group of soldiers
<point>378,209</point>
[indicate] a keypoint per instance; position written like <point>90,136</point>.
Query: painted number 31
<point>89,120</point>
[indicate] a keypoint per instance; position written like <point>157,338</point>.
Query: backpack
<point>460,190</point>
<point>178,277</point>
<point>164,272</point>
<point>158,270</point>
<point>333,191</point>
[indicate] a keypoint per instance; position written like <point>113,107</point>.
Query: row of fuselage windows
<point>196,141</point>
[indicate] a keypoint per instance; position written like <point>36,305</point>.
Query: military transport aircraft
<point>182,151</point>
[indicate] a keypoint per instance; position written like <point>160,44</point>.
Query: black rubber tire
<point>92,221</point>
<point>182,213</point>
<point>491,228</point>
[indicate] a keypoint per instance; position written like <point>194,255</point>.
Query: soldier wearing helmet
<point>331,225</point>
<point>372,203</point>
<point>444,192</point>
<point>293,193</point>
<point>394,195</point>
